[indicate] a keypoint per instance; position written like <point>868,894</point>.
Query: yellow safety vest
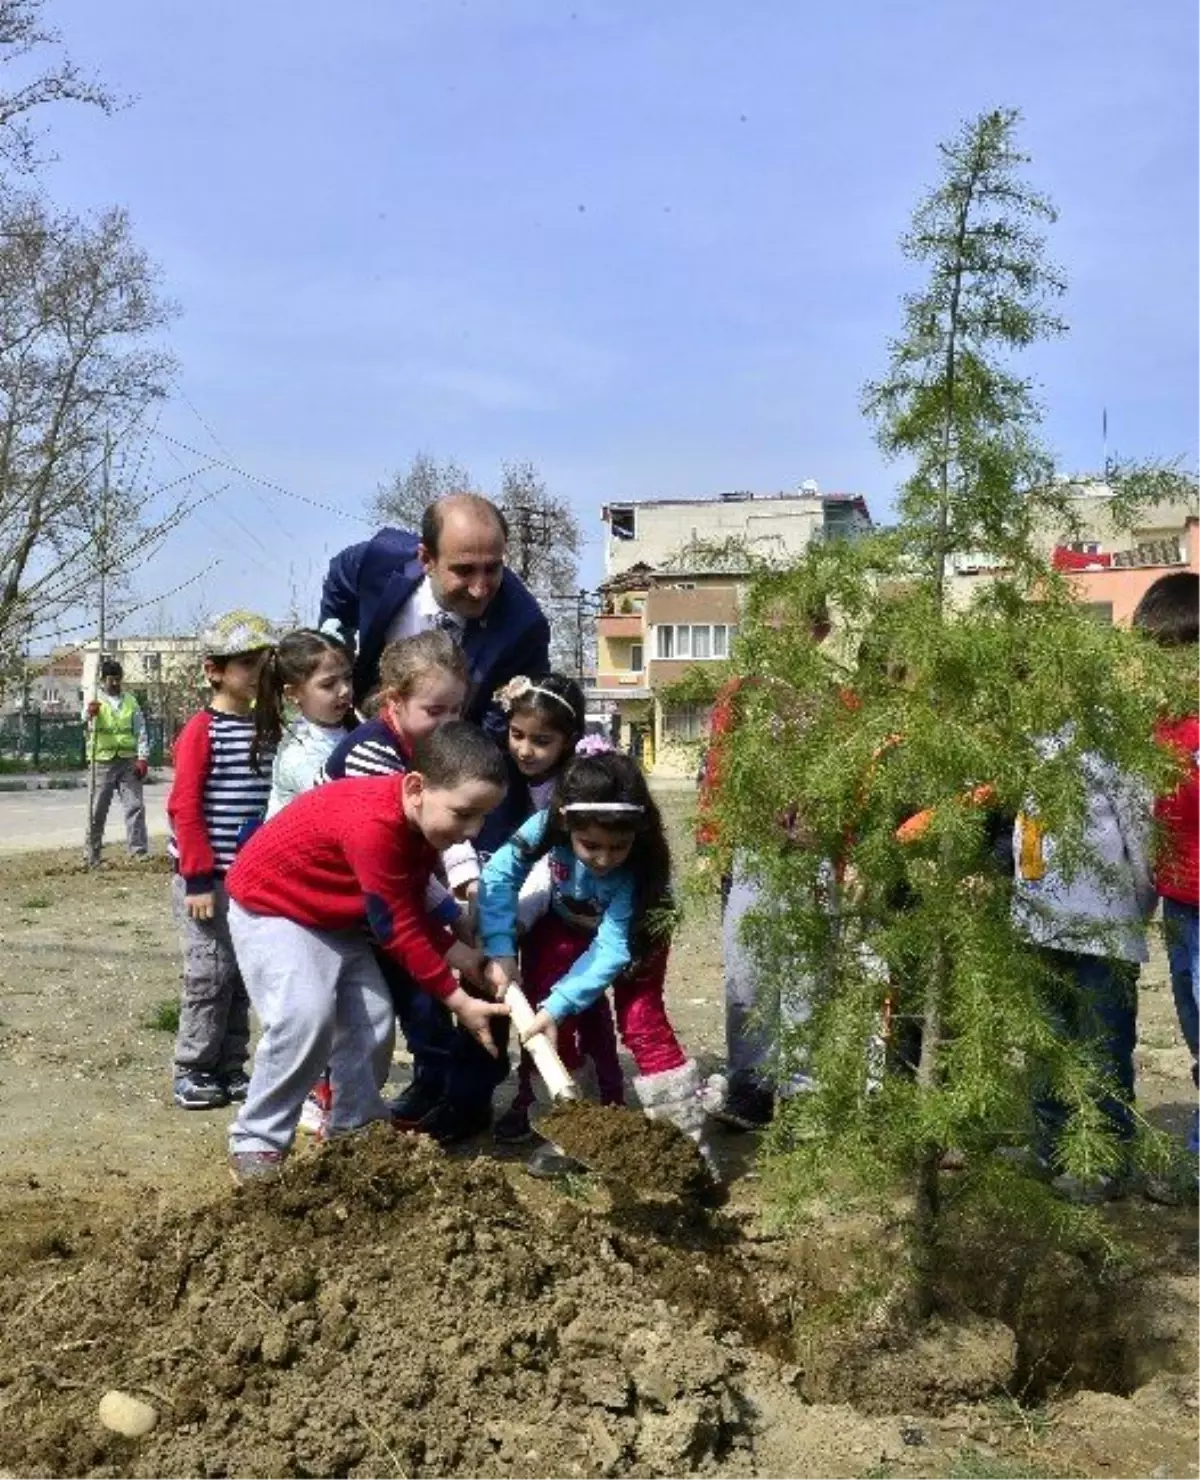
<point>113,735</point>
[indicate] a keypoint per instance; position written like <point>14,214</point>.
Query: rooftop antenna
<point>1104,441</point>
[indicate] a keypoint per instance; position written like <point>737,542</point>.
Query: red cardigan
<point>1178,874</point>
<point>342,856</point>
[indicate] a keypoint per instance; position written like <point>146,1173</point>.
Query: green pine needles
<point>930,1020</point>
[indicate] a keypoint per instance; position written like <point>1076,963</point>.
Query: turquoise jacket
<point>579,896</point>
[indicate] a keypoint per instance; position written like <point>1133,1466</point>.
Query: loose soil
<point>385,1309</point>
<point>621,1144</point>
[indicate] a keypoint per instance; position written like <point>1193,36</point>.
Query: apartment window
<point>684,722</point>
<point>696,640</point>
<point>1100,611</point>
<point>636,663</point>
<point>623,523</point>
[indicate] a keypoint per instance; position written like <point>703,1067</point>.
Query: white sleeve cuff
<point>461,864</point>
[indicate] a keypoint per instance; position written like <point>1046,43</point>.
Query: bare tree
<point>544,541</point>
<point>22,34</point>
<point>80,310</point>
<point>404,498</point>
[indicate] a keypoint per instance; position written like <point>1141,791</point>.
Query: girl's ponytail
<point>268,709</point>
<point>293,661</point>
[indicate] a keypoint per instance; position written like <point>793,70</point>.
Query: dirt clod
<point>649,1155</point>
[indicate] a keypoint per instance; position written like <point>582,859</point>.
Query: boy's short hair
<point>456,752</point>
<point>1169,611</point>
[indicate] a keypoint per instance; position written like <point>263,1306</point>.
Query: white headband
<point>602,807</point>
<point>521,688</point>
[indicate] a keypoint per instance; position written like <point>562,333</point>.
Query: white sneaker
<point>313,1119</point>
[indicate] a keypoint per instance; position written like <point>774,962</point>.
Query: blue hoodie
<point>579,896</point>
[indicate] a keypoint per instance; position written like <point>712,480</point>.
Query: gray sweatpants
<point>214,1014</point>
<point>755,1017</point>
<point>113,777</point>
<point>322,1001</point>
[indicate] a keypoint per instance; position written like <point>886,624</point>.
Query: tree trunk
<point>927,1198</point>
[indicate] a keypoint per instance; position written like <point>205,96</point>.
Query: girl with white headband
<point>545,725</point>
<point>610,872</point>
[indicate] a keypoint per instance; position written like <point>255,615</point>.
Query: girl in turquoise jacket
<point>610,871</point>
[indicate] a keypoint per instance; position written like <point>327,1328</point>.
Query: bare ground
<point>93,1148</point>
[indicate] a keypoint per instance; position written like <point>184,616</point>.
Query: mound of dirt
<point>383,1310</point>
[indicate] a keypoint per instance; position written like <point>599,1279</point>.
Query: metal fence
<point>55,742</point>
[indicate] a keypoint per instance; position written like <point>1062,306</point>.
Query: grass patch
<point>37,902</point>
<point>164,1017</point>
<point>969,1464</point>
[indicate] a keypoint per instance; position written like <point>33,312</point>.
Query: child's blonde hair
<point>405,662</point>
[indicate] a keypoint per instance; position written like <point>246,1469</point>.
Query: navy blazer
<point>366,586</point>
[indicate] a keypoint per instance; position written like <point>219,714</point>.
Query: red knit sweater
<point>342,856</point>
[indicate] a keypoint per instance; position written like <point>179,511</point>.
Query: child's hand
<point>200,906</point>
<point>467,961</point>
<point>476,1017</point>
<point>542,1023</point>
<point>500,974</point>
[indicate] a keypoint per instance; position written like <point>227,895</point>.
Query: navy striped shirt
<point>214,795</point>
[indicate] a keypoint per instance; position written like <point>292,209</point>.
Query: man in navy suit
<point>453,576</point>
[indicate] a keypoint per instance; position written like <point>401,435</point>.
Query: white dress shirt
<point>419,613</point>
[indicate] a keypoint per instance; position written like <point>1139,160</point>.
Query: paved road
<point>55,819</point>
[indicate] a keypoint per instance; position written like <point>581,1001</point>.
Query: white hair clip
<point>520,688</point>
<point>602,807</point>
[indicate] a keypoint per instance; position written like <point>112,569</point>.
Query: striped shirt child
<point>216,793</point>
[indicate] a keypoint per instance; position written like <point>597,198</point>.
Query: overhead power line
<point>232,467</point>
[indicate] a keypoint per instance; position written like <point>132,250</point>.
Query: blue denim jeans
<point>1098,1006</point>
<point>1180,925</point>
<point>445,1058</point>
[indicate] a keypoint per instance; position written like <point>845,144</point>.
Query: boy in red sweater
<point>1168,613</point>
<point>342,856</point>
<point>220,786</point>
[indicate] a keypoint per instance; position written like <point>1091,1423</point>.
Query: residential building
<point>1112,583</point>
<point>676,573</point>
<point>1111,567</point>
<point>150,662</point>
<point>771,526</point>
<point>1156,540</point>
<point>47,685</point>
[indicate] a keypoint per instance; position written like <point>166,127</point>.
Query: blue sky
<point>651,248</point>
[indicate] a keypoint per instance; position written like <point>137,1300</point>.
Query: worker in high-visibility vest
<point>120,747</point>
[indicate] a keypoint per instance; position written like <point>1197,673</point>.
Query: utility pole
<point>102,538</point>
<point>586,604</point>
<point>531,526</point>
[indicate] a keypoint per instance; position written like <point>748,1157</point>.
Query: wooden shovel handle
<point>539,1048</point>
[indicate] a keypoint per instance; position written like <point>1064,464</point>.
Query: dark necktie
<point>444,622</point>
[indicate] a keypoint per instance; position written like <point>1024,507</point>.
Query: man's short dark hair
<point>1169,611</point>
<point>458,752</point>
<point>435,516</point>
<point>110,668</point>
